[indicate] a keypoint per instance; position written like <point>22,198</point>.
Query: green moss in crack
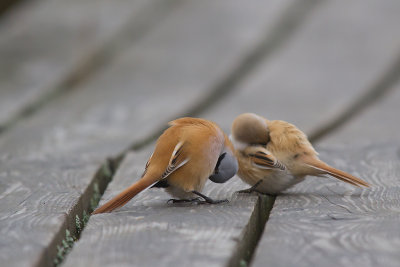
<point>85,218</point>
<point>94,200</point>
<point>78,225</point>
<point>66,246</point>
<point>106,169</point>
<point>243,263</point>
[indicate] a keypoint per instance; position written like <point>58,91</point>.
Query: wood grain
<point>141,89</point>
<point>46,44</point>
<point>327,223</point>
<point>37,195</point>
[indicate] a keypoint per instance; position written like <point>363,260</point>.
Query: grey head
<point>226,167</point>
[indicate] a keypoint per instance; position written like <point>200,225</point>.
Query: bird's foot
<point>246,191</point>
<point>251,189</point>
<point>208,200</point>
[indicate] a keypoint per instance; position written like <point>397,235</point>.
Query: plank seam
<point>381,88</point>
<point>84,206</point>
<point>244,251</point>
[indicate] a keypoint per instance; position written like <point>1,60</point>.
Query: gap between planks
<point>85,205</point>
<point>374,94</point>
<point>7,5</point>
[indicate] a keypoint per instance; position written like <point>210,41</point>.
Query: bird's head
<point>249,129</point>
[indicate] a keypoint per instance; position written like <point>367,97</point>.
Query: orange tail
<point>341,175</point>
<point>126,195</point>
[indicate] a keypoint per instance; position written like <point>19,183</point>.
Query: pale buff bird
<point>275,155</point>
<point>188,153</point>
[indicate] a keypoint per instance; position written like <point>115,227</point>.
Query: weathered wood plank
<point>46,44</point>
<point>123,103</point>
<point>148,231</point>
<point>332,59</point>
<point>327,223</point>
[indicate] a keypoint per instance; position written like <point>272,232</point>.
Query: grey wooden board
<point>378,124</point>
<point>155,79</point>
<point>322,222</point>
<point>36,196</point>
<point>337,54</point>
<point>43,42</point>
<point>150,232</point>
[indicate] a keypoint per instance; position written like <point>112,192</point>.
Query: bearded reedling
<point>275,155</point>
<point>188,153</point>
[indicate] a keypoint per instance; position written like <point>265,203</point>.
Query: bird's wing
<point>147,165</point>
<point>264,160</point>
<point>178,159</point>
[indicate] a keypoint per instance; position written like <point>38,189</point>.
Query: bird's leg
<point>208,200</point>
<point>251,189</point>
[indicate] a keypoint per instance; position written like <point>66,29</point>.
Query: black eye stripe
<point>221,157</point>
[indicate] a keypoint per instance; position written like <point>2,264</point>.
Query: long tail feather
<point>341,175</point>
<point>126,195</point>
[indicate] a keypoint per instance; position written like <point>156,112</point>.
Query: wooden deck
<point>87,86</point>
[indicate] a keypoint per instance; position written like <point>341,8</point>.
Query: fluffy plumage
<point>280,144</point>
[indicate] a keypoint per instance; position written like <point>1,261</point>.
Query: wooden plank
<point>148,231</point>
<point>37,196</point>
<point>331,60</point>
<point>328,223</point>
<point>46,44</point>
<point>52,158</point>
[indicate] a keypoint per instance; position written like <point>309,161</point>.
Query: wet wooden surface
<point>80,85</point>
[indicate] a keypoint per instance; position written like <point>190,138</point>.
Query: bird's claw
<point>251,189</point>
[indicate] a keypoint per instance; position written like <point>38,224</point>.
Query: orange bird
<point>188,153</point>
<point>275,155</point>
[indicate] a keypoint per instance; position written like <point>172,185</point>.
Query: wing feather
<point>265,160</point>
